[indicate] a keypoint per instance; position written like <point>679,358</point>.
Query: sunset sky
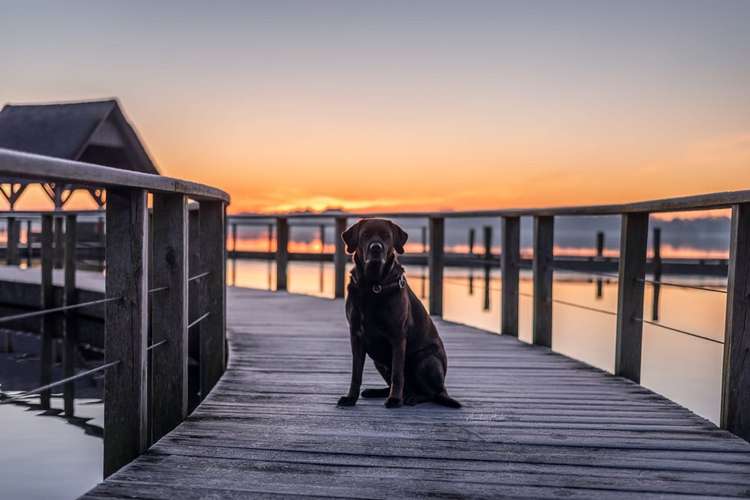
<point>408,105</point>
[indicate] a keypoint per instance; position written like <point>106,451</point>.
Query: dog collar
<point>378,288</point>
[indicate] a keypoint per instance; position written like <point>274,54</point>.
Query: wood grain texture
<point>735,402</point>
<point>544,241</point>
<point>169,322</point>
<point>534,424</point>
<point>510,266</point>
<point>632,271</point>
<point>436,264</point>
<point>126,328</point>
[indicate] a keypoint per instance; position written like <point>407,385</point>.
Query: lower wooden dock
<point>535,424</point>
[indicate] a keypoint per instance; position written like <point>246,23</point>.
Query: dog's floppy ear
<point>351,238</point>
<point>399,237</point>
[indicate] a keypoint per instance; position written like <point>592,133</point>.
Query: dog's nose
<point>376,247</point>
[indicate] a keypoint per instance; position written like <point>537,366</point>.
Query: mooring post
<point>735,387</point>
<point>632,272</point>
<point>70,327</point>
<point>510,270</point>
<point>13,236</point>
<point>487,233</point>
<point>169,321</point>
<point>213,327</point>
<point>339,258</point>
<point>47,301</point>
<point>126,328</point>
<point>544,239</point>
<point>436,262</point>
<point>59,242</point>
<point>472,237</point>
<point>282,252</point>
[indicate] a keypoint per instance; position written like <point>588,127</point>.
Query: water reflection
<point>682,368</point>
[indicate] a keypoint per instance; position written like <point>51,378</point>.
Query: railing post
<point>632,271</point>
<point>282,252</point>
<point>213,328</point>
<point>657,269</point>
<point>487,233</point>
<point>194,296</point>
<point>599,256</point>
<point>510,268</point>
<point>234,239</point>
<point>735,394</point>
<point>59,242</point>
<point>47,301</point>
<point>435,262</point>
<point>13,232</point>
<point>472,237</point>
<point>29,243</point>
<point>70,328</point>
<point>339,258</point>
<point>126,328</point>
<point>544,239</point>
<point>169,322</point>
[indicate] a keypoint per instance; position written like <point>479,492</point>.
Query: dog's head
<point>375,242</point>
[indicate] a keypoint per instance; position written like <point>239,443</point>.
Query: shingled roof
<point>94,131</point>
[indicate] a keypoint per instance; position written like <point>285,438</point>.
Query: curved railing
<point>168,260</point>
<point>630,274</point>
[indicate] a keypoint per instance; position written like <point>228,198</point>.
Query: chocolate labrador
<point>389,323</point>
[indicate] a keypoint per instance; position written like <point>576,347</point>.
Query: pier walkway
<point>535,424</point>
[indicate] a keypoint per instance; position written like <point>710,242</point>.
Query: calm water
<point>683,368</point>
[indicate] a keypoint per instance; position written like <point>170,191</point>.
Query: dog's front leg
<point>358,364</point>
<point>398,359</point>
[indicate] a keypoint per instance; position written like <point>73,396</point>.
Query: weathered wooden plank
<point>632,271</point>
<point>542,268</point>
<point>213,259</point>
<point>436,263</point>
<point>169,322</point>
<point>510,267</point>
<point>70,325</point>
<point>339,258</point>
<point>47,301</point>
<point>735,401</point>
<point>126,328</point>
<point>282,252</point>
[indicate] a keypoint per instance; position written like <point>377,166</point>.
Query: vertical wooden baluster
<point>542,266</point>
<point>435,263</point>
<point>632,271</point>
<point>47,301</point>
<point>70,327</point>
<point>29,243</point>
<point>510,268</point>
<point>170,323</point>
<point>339,258</point>
<point>735,400</point>
<point>13,236</point>
<point>656,244</point>
<point>194,300</point>
<point>213,257</point>
<point>59,242</point>
<point>282,252</point>
<point>126,328</point>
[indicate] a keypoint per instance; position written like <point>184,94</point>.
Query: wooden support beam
<point>13,232</point>
<point>59,242</point>
<point>126,328</point>
<point>510,268</point>
<point>169,323</point>
<point>47,301</point>
<point>632,271</point>
<point>339,258</point>
<point>436,261</point>
<point>282,252</point>
<point>544,240</point>
<point>213,327</point>
<point>70,327</point>
<point>735,393</point>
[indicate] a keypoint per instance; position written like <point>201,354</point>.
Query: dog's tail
<point>445,400</point>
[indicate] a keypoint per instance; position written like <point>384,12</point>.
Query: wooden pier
<point>535,424</point>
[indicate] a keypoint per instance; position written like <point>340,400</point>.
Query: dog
<point>389,323</point>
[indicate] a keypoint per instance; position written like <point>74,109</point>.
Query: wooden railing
<point>170,260</point>
<point>631,276</point>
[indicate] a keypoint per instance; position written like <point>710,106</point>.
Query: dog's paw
<point>393,402</point>
<point>346,401</point>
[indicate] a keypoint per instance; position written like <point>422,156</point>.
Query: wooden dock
<point>535,424</point>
